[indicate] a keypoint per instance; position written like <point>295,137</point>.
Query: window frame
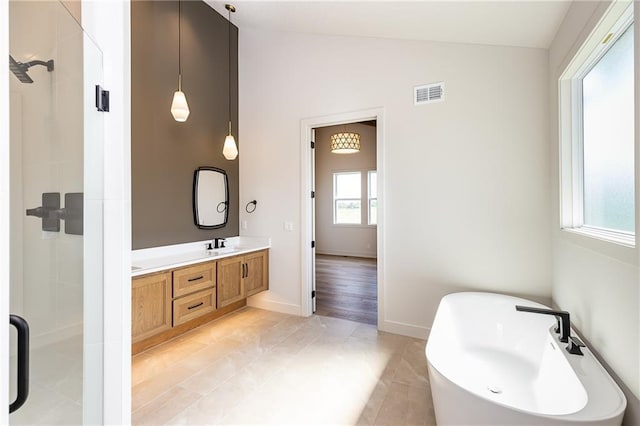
<point>370,198</point>
<point>336,199</point>
<point>570,120</point>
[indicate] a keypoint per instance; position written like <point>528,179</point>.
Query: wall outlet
<point>243,225</point>
<point>288,226</point>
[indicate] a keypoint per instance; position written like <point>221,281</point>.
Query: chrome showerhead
<point>19,69</point>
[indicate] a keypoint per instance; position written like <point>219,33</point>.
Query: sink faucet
<point>563,325</point>
<point>218,242</point>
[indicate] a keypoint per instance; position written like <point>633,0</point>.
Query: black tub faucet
<point>563,325</point>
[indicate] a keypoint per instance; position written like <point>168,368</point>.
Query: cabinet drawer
<point>194,305</point>
<point>194,278</point>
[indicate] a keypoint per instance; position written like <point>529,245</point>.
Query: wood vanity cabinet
<point>150,306</point>
<point>242,276</point>
<point>167,304</point>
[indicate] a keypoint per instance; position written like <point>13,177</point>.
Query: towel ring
<point>248,209</point>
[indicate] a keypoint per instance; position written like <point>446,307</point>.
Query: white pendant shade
<point>230,150</point>
<point>179,107</point>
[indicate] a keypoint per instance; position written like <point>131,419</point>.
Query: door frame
<point>306,179</point>
<point>4,213</point>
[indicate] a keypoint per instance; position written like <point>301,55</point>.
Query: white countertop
<point>147,261</point>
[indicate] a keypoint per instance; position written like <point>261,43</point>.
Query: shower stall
<point>56,217</point>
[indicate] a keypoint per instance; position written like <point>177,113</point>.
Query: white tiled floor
<point>55,388</point>
<point>260,367</point>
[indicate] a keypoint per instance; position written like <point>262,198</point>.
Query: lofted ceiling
<point>506,23</point>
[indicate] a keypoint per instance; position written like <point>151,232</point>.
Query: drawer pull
<point>196,278</point>
<point>196,305</point>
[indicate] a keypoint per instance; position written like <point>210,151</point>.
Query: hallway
<point>347,288</point>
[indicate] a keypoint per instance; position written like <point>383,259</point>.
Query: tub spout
<point>563,325</point>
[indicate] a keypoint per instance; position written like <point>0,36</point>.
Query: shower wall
<point>46,156</point>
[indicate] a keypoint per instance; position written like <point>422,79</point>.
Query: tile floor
<point>261,367</point>
<point>55,385</point>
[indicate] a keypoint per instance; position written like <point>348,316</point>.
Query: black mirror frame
<point>195,197</point>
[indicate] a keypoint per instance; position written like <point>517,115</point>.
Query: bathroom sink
<point>223,250</point>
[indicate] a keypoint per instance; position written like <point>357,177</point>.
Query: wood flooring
<point>346,287</point>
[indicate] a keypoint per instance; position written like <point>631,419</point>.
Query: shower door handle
<point>50,203</point>
<point>72,213</point>
<point>51,213</point>
<point>23,361</point>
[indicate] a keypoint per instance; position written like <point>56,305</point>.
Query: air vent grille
<point>428,93</point>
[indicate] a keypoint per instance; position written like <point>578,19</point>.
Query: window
<point>350,207</point>
<point>347,203</point>
<point>607,99</point>
<point>373,197</point>
<point>597,134</point>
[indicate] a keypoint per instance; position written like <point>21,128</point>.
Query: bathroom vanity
<point>180,287</point>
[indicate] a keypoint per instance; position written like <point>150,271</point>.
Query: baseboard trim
<point>346,253</point>
<point>271,305</point>
<point>405,329</point>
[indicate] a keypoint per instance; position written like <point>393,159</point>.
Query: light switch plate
<point>288,226</point>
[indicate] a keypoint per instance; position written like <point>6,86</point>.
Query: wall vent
<point>428,93</point>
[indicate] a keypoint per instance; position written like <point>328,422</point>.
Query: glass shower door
<point>56,190</point>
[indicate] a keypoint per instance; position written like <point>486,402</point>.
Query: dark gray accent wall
<point>165,153</point>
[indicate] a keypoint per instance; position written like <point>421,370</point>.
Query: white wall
<point>343,240</point>
<point>466,181</point>
<point>596,282</point>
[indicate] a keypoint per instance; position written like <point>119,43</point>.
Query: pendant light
<point>230,149</point>
<point>345,143</point>
<point>179,106</point>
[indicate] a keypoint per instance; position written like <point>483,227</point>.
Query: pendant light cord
<point>179,45</point>
<point>229,70</point>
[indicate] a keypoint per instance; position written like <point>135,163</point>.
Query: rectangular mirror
<point>210,197</point>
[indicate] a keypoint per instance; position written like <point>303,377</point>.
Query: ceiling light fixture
<point>230,150</point>
<point>179,106</point>
<point>345,143</point>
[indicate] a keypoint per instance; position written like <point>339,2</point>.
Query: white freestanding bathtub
<point>492,365</point>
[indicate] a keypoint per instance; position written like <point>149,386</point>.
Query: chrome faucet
<point>563,325</point>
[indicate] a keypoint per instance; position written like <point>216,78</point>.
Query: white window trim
<point>336,199</point>
<point>616,21</point>
<point>369,198</point>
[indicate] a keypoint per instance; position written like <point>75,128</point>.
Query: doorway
<point>308,237</point>
<point>345,219</point>
<point>55,214</point>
